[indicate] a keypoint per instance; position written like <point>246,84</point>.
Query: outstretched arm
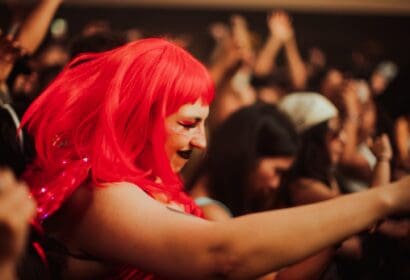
<point>146,234</point>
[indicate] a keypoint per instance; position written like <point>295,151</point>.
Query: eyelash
<point>188,125</point>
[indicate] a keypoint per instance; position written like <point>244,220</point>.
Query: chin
<point>177,167</point>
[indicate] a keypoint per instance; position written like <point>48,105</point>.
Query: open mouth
<point>185,154</point>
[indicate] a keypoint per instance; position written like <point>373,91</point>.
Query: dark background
<point>388,36</point>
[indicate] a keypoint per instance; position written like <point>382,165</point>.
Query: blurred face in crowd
<point>335,139</point>
<point>368,120</point>
<point>269,171</point>
<point>331,83</point>
<point>185,130</point>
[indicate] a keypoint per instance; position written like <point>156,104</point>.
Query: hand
<point>280,26</point>
<point>381,148</point>
<point>10,49</point>
<point>219,31</point>
<point>16,210</point>
<point>226,52</point>
<point>242,38</point>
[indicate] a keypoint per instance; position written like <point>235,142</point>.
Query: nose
<point>199,139</point>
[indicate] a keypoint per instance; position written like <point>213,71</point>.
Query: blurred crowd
<point>318,158</point>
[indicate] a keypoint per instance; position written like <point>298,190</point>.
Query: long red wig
<point>102,119</point>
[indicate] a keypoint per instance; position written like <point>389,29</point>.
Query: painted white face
<point>185,130</point>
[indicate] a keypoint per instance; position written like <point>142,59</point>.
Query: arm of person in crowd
<point>226,55</point>
<point>242,39</point>
<point>381,175</point>
<point>35,26</point>
<point>16,210</point>
<point>242,89</point>
<point>399,229</point>
<point>10,50</point>
<point>307,191</point>
<point>350,160</point>
<point>308,269</point>
<point>402,135</point>
<point>144,233</point>
<point>381,148</point>
<point>296,66</point>
<point>229,70</point>
<point>265,62</point>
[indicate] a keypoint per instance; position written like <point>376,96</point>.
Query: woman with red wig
<point>113,131</point>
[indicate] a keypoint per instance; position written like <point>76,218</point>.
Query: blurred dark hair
<point>249,134</point>
<point>12,154</point>
<point>313,160</point>
<point>96,42</point>
<point>278,80</point>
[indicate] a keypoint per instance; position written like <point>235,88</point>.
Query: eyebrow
<point>193,117</point>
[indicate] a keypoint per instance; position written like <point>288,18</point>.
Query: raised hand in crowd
<point>281,35</point>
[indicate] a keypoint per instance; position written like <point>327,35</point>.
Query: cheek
<point>177,134</point>
<point>267,177</point>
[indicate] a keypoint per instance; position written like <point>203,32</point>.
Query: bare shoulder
<point>108,195</point>
<point>118,190</point>
<point>95,201</point>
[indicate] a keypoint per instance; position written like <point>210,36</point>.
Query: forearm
<point>381,173</point>
<point>299,232</point>
<point>265,61</point>
<point>217,72</point>
<point>35,26</point>
<point>222,71</point>
<point>351,127</point>
<point>7,271</point>
<point>297,69</point>
<point>241,248</point>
